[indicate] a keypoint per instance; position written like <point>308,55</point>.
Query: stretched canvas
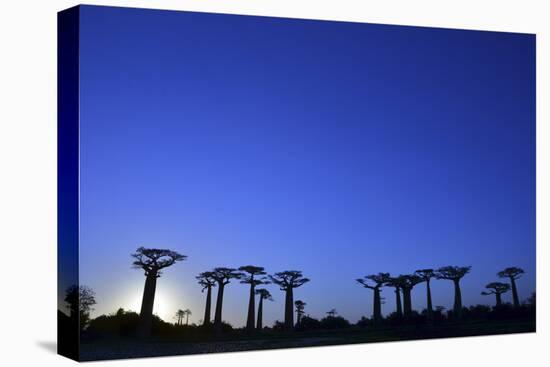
<point>232,183</point>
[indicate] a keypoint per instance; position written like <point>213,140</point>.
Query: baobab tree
<point>187,312</point>
<point>332,313</point>
<point>151,261</point>
<point>512,273</point>
<point>426,275</point>
<point>454,273</point>
<point>205,279</point>
<point>179,316</point>
<point>253,275</point>
<point>264,294</point>
<point>395,283</point>
<point>407,283</point>
<point>222,276</point>
<point>300,306</point>
<point>497,289</point>
<point>379,280</point>
<point>287,281</point>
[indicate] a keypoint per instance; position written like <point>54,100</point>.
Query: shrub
<point>334,322</point>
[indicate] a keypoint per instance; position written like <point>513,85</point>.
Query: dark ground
<point>124,348</point>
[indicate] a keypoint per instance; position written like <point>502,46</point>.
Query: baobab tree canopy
<point>224,275</point>
<point>206,279</point>
<point>378,280</point>
<point>511,272</point>
<point>425,274</point>
<point>496,287</point>
<point>394,282</point>
<point>254,275</point>
<point>264,293</point>
<point>152,260</point>
<point>452,272</point>
<point>408,281</point>
<point>288,279</point>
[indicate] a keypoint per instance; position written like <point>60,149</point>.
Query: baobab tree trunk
<point>457,308</point>
<point>498,299</point>
<point>208,306</point>
<point>429,307</point>
<point>515,296</point>
<point>260,310</point>
<point>251,311</point>
<point>289,312</point>
<point>187,320</point>
<point>398,307</point>
<point>377,309</point>
<point>146,313</point>
<point>407,302</point>
<point>218,315</point>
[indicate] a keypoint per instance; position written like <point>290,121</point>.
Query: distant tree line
<point>404,284</point>
<point>153,261</point>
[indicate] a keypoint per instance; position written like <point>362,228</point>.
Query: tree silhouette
<point>152,261</point>
<point>179,316</point>
<point>332,313</point>
<point>287,281</point>
<point>300,306</point>
<point>207,281</point>
<point>80,300</point>
<point>426,275</point>
<point>253,275</point>
<point>396,284</point>
<point>187,312</point>
<point>379,280</point>
<point>512,273</point>
<point>407,284</point>
<point>454,273</point>
<point>497,289</point>
<point>264,294</point>
<point>222,276</point>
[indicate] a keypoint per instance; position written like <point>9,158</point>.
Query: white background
<point>28,181</point>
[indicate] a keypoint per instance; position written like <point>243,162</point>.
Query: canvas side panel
<point>68,182</point>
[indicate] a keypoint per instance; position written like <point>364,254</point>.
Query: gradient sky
<point>339,149</point>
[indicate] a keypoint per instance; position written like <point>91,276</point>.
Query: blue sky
<point>339,149</point>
